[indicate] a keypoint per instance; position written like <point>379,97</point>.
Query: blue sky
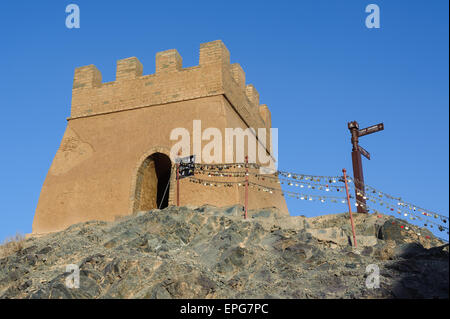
<point>314,63</point>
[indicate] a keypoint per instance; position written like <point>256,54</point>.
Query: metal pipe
<point>349,206</point>
<point>178,184</point>
<point>246,186</point>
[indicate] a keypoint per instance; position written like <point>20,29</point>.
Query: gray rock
<point>208,252</point>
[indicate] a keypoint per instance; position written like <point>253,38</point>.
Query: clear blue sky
<point>314,63</point>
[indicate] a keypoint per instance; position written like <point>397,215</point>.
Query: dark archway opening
<point>153,183</point>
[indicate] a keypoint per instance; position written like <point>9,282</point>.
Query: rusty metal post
<point>246,187</point>
<point>357,168</point>
<point>359,181</point>
<point>349,206</point>
<point>178,184</point>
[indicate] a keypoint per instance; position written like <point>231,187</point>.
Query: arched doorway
<point>152,183</point>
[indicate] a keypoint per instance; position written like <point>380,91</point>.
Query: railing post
<point>349,206</point>
<point>178,184</point>
<point>246,187</point>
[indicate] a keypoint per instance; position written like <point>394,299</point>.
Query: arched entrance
<point>152,183</point>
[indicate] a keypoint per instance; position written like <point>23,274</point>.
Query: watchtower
<point>114,158</point>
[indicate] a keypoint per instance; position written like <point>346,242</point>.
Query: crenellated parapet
<point>214,75</point>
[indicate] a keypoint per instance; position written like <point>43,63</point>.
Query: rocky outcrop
<point>208,252</point>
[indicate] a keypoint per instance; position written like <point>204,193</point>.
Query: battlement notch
<point>238,75</point>
<point>168,61</point>
<point>214,52</point>
<point>264,112</point>
<point>252,94</point>
<point>87,77</point>
<point>129,68</point>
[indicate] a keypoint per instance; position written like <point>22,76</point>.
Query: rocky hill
<point>208,252</point>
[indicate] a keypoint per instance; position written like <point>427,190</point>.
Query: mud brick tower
<point>114,158</point>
